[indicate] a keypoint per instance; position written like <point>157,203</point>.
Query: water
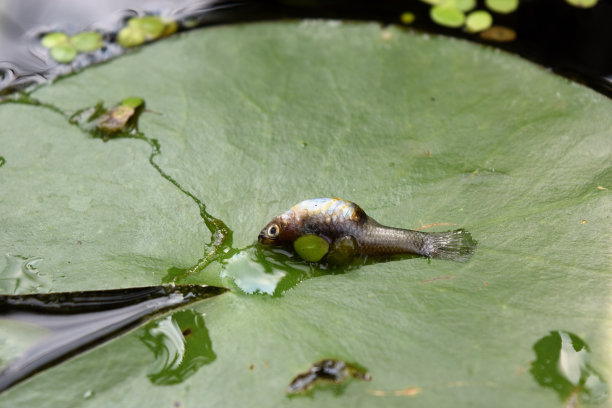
<point>180,344</point>
<point>563,363</point>
<point>571,41</point>
<point>64,324</point>
<point>272,271</point>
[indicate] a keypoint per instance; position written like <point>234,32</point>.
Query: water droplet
<point>88,394</point>
<point>21,276</point>
<point>251,276</point>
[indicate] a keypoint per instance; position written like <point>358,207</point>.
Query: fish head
<point>280,231</point>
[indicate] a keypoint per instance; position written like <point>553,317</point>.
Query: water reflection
<point>69,323</point>
<point>181,346</point>
<point>563,364</point>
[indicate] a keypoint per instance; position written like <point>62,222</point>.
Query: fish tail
<point>457,245</point>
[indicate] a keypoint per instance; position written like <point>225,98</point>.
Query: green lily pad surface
<point>423,132</point>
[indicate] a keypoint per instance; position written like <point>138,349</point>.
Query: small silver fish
<point>339,221</point>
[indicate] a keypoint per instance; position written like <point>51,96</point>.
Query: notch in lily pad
<point>118,121</point>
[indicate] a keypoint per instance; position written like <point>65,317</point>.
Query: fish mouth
<point>263,239</point>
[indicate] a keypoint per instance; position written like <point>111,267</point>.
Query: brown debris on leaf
<point>120,120</point>
<point>329,371</point>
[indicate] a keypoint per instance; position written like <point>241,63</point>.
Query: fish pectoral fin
<point>342,251</point>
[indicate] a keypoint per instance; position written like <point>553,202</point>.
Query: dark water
<point>66,324</point>
<point>571,41</point>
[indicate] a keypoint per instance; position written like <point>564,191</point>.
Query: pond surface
<point>570,40</point>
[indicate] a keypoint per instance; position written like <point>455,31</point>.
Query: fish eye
<point>273,231</point>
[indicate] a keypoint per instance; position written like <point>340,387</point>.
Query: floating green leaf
<point>582,3</point>
<point>170,27</point>
<point>448,16</point>
<point>151,26</point>
<point>53,39</point>
<point>133,102</point>
<point>421,131</point>
<point>87,41</point>
<point>407,18</point>
<point>64,49</point>
<point>147,28</point>
<point>478,20</point>
<point>502,6</point>
<point>131,37</point>
<point>64,53</point>
<point>464,5</point>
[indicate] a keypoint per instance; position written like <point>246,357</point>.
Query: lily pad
<point>421,131</point>
<point>91,214</point>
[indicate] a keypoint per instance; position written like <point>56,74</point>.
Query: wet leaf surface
<point>416,129</point>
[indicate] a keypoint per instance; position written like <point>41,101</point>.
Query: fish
<point>343,224</point>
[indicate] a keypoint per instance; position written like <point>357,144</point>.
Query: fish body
<point>334,220</point>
